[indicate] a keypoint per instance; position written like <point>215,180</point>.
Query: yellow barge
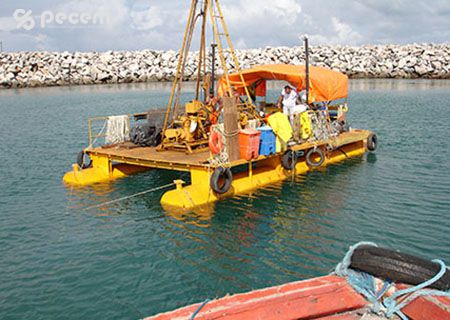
<point>119,161</point>
<point>185,135</point>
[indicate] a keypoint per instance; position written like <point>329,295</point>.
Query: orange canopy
<point>324,84</point>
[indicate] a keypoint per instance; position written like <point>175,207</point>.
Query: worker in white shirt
<point>288,99</point>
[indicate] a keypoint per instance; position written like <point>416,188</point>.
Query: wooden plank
<point>298,300</point>
<point>151,154</point>
<point>231,127</point>
<point>426,308</point>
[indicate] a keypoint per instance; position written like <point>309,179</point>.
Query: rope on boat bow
<point>364,284</point>
<point>417,291</point>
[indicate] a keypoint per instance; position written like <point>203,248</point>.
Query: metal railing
<point>154,113</point>
<point>101,133</point>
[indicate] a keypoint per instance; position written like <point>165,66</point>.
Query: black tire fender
<point>289,160</point>
<point>397,267</point>
<point>224,174</point>
<point>81,160</point>
<point>372,142</point>
<point>309,157</point>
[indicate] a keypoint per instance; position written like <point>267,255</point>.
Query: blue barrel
<point>267,145</point>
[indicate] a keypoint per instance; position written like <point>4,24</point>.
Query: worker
<point>211,99</point>
<point>287,99</point>
<point>213,106</point>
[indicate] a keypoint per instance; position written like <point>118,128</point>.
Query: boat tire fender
<point>221,180</point>
<point>310,155</point>
<point>81,160</point>
<point>289,160</point>
<point>397,267</point>
<point>372,142</point>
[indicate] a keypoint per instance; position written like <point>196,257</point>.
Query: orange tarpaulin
<point>324,84</point>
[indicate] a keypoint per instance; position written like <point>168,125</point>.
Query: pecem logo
<point>25,19</point>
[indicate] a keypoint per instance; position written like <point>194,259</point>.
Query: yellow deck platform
<point>117,161</point>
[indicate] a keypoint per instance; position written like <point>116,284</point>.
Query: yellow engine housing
<point>193,107</point>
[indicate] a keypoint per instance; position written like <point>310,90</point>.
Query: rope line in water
<point>199,308</point>
<point>130,196</point>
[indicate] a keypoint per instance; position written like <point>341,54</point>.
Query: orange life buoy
<point>215,143</point>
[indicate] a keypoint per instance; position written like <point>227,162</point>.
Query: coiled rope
<point>130,196</point>
<point>362,282</point>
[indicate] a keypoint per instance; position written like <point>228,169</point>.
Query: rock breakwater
<point>36,69</point>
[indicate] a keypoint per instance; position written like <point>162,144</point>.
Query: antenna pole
<point>305,39</point>
<point>213,66</point>
<point>202,51</point>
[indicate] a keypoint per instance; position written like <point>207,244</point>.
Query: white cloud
<point>307,19</point>
<point>264,22</point>
<point>272,12</point>
<point>156,24</point>
<point>344,32</point>
<point>146,18</point>
<point>341,33</point>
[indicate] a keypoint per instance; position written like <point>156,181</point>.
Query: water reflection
<point>150,87</point>
<point>189,86</point>
<point>396,84</point>
<point>371,157</point>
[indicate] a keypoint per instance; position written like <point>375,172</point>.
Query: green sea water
<point>132,259</point>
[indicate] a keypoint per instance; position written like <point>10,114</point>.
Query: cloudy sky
<point>100,25</point>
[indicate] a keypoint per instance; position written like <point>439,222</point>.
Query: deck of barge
<point>175,160</point>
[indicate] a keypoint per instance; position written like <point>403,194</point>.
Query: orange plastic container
<point>249,140</point>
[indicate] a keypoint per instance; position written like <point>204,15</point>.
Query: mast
<point>213,67</point>
<point>305,39</point>
<point>202,51</point>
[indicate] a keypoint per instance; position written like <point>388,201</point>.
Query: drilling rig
<point>186,127</point>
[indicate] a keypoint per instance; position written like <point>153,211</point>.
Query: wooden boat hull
<point>329,297</point>
<point>297,300</point>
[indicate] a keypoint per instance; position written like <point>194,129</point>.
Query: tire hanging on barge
<point>81,160</point>
<point>372,142</point>
<point>313,153</point>
<point>289,160</point>
<point>221,180</point>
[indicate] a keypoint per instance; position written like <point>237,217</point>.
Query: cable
<point>131,196</point>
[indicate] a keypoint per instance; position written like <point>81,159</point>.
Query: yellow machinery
<point>188,131</point>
